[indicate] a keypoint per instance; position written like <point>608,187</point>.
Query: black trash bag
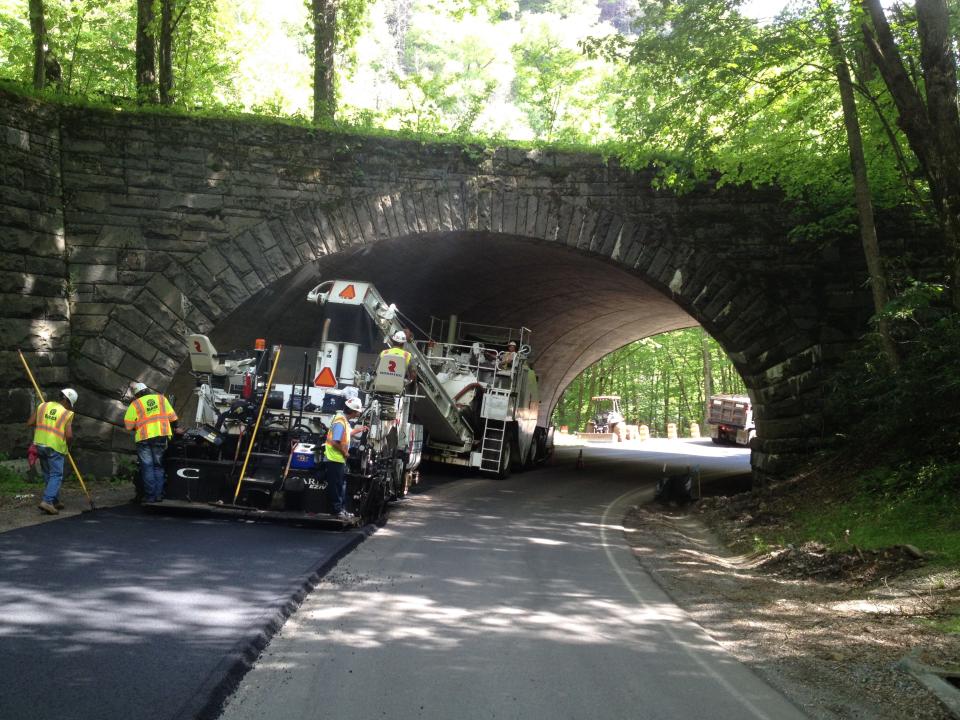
<point>678,488</point>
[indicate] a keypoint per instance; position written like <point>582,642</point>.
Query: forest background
<point>845,106</point>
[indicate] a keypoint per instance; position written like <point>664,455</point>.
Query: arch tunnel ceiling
<point>578,307</point>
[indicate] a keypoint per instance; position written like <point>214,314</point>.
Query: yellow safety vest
<point>150,416</point>
<point>330,450</point>
<point>52,419</point>
<point>398,351</point>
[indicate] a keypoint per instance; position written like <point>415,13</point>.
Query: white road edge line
<point>669,630</point>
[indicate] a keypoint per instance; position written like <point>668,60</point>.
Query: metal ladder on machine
<point>491,447</point>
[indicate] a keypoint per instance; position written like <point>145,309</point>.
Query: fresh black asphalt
<point>120,614</point>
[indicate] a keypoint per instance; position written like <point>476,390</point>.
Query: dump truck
<point>256,446</point>
<point>730,419</point>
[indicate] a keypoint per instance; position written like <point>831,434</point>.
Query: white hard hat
<point>354,404</point>
<point>399,336</point>
<point>138,387</point>
<point>70,394</point>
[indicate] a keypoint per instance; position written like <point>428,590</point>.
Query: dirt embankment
<point>830,629</point>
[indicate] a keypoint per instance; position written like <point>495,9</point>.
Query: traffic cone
<point>580,460</point>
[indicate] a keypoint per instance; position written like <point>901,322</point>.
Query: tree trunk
<point>707,375</point>
<point>579,417</point>
<point>324,51</point>
<point>146,53</point>
<point>46,68</point>
<point>39,30</point>
<point>931,123</point>
<point>861,186</point>
<point>166,52</point>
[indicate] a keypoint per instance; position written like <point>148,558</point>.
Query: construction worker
<point>336,448</point>
<point>509,355</point>
<point>153,421</point>
<point>397,341</point>
<point>53,421</point>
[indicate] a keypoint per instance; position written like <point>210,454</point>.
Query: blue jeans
<point>51,464</point>
<point>335,475</point>
<point>150,453</point>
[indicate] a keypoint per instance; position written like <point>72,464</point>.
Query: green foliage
<point>915,412</point>
<point>915,505</point>
<point>756,104</point>
<point>11,481</point>
<point>659,380</point>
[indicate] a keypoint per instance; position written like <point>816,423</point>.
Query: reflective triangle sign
<point>348,293</point>
<point>325,379</point>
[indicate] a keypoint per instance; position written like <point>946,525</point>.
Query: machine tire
<point>398,484</point>
<point>505,461</point>
<point>531,459</point>
<point>375,503</point>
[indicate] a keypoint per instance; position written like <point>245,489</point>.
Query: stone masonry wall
<point>34,288</point>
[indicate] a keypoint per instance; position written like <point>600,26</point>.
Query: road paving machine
<point>256,446</point>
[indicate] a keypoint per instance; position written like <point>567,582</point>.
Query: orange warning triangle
<point>348,293</point>
<point>325,379</point>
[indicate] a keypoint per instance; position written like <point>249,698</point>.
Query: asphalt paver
<point>120,614</point>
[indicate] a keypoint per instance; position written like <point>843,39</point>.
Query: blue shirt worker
<point>53,421</point>
<point>153,420</point>
<point>336,448</point>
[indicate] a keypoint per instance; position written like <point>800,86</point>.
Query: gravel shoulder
<point>830,630</point>
<point>21,510</point>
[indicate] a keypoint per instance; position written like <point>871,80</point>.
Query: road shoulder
<point>832,647</point>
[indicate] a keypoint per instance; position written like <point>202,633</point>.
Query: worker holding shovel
<point>53,421</point>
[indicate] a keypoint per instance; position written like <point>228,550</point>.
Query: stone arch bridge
<point>121,232</point>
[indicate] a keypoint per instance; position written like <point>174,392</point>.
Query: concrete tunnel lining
<point>579,307</point>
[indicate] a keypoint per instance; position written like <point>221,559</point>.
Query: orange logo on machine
<point>325,379</point>
<point>348,293</point>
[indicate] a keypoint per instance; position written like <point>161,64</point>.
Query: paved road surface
<point>117,615</point>
<point>505,599</point>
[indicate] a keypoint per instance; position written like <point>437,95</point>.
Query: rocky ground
<point>831,629</point>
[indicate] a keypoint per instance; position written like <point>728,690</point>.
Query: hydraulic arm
<point>435,409</point>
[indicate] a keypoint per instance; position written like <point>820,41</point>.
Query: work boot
<point>48,508</point>
<point>58,505</point>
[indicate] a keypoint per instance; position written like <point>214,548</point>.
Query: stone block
<point>137,343</point>
<point>166,292</point>
<point>93,273</point>
<point>109,294</point>
<point>98,377</point>
<point>134,367</point>
<point>213,261</point>
<point>15,439</point>
<point>16,405</point>
<point>36,307</point>
<point>41,285</point>
<point>102,351</point>
<point>34,334</point>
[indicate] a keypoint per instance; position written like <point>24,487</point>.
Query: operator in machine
<point>397,341</point>
<point>509,355</point>
<point>336,448</point>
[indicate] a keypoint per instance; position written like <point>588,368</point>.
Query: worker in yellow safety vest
<point>153,421</point>
<point>396,348</point>
<point>336,449</point>
<point>53,421</point>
